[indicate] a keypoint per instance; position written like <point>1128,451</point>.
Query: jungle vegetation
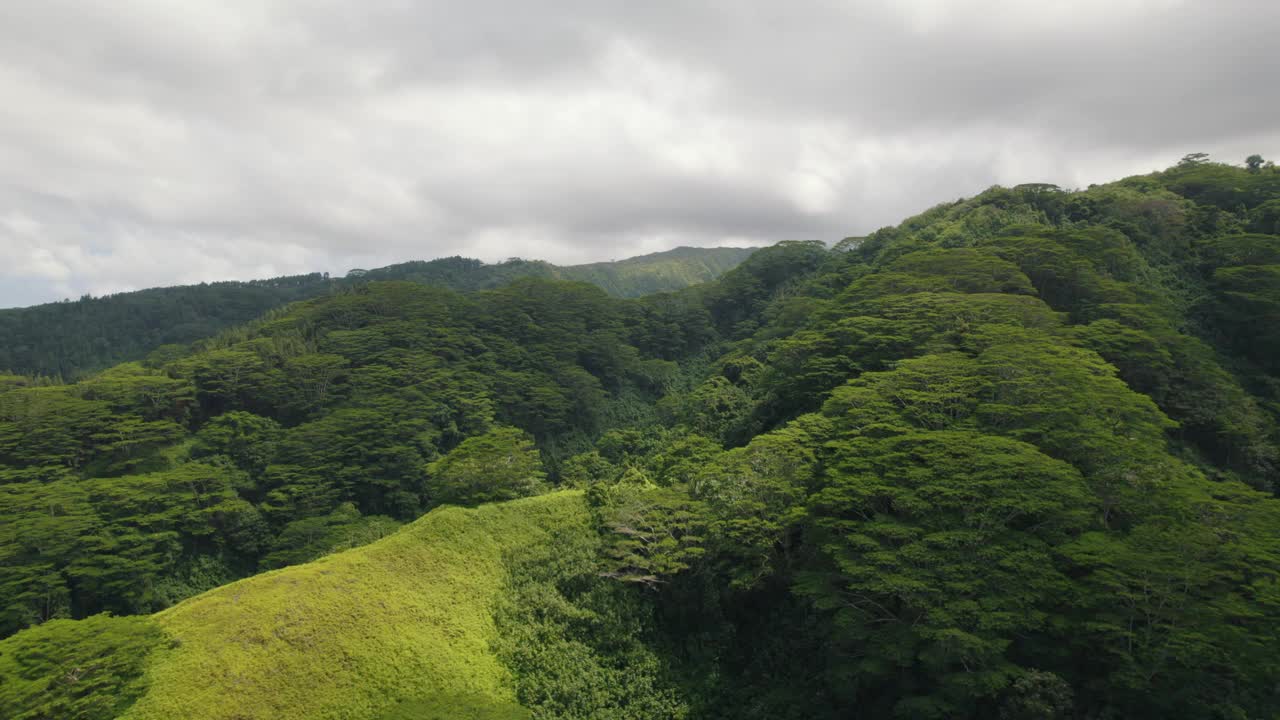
<point>1013,458</point>
<point>70,339</point>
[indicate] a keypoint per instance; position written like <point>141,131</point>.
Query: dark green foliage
<point>44,528</point>
<point>653,533</point>
<point>992,516</point>
<point>955,270</point>
<point>629,278</point>
<point>248,440</point>
<point>312,537</point>
<point>1177,611</point>
<point>87,670</point>
<point>502,464</point>
<point>753,497</point>
<point>580,645</point>
<point>192,576</point>
<point>1247,309</point>
<point>313,429</point>
<point>71,338</point>
<point>53,429</point>
<point>740,297</point>
<point>941,555</point>
<point>1013,458</point>
<point>1037,695</point>
<point>1222,186</point>
<point>1265,218</point>
<point>363,455</point>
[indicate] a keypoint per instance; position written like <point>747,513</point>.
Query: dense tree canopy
<point>74,337</point>
<point>1016,457</point>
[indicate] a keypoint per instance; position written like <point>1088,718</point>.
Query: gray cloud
<point>145,142</point>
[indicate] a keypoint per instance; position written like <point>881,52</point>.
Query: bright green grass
<point>378,631</point>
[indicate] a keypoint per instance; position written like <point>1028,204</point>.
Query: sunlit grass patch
<point>353,635</point>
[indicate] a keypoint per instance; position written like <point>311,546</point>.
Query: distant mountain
<point>71,338</point>
<point>629,278</point>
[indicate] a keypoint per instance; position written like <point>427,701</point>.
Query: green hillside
<point>404,622</point>
<point>408,618</point>
<point>633,277</point>
<point>71,338</point>
<point>1016,457</point>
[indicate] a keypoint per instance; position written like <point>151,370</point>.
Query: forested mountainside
<point>71,338</point>
<point>1015,458</point>
<point>665,271</point>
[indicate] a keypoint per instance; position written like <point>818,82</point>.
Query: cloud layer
<point>148,142</point>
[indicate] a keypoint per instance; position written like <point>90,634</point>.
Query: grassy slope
<point>349,636</point>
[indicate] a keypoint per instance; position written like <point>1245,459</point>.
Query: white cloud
<point>145,142</point>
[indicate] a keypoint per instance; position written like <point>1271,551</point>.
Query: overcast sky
<point>158,142</point>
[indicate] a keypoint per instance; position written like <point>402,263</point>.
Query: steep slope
<point>69,339</point>
<point>406,620</point>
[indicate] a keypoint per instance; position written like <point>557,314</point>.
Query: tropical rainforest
<point>70,339</point>
<point>1016,457</point>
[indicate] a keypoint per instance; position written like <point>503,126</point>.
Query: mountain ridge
<point>71,337</point>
